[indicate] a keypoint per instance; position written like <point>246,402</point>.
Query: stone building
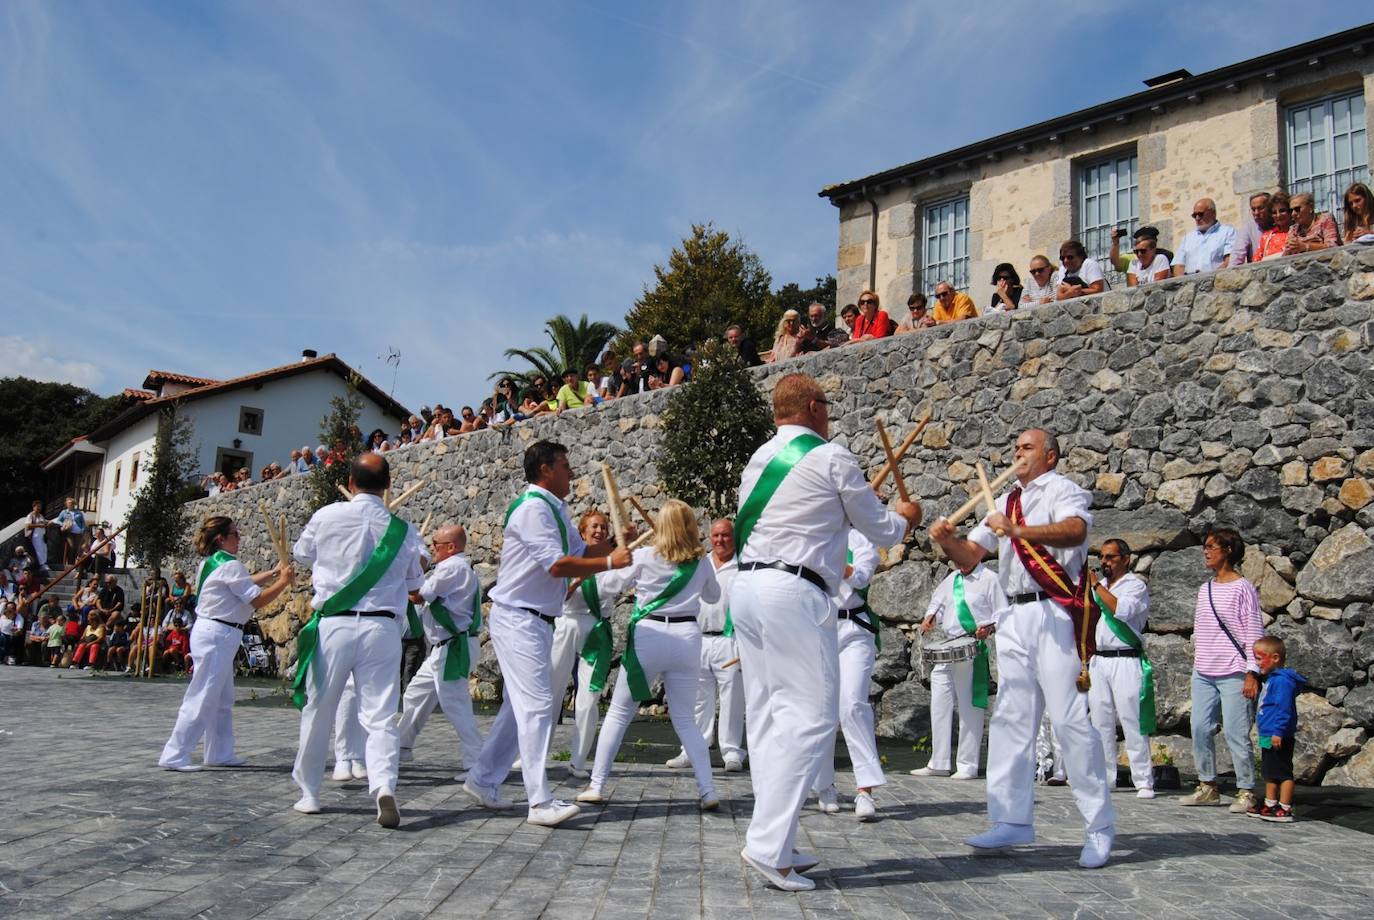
<point>1293,118</point>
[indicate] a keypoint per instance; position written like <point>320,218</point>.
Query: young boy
<point>176,646</point>
<point>1277,723</point>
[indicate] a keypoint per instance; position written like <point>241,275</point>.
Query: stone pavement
<point>93,829</point>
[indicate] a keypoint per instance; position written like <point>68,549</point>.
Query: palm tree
<point>574,345</point>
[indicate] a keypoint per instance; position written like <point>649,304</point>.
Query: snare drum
<point>964,652</point>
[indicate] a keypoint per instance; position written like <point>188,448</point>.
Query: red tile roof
<point>156,377</point>
<point>131,393</point>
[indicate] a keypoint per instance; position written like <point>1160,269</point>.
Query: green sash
<point>772,476</point>
<point>1147,671</point>
<point>457,662</point>
<point>982,675</point>
<point>475,629</point>
<point>599,648</point>
<point>557,518</point>
<point>212,562</point>
<point>634,672</point>
<point>414,628</point>
<point>308,640</point>
<point>873,620</point>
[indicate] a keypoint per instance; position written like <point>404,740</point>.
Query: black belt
<point>800,571</point>
<point>852,614</point>
<point>238,626</point>
<point>366,613</point>
<point>1117,653</point>
<point>712,632</point>
<point>672,618</point>
<point>552,621</point>
<point>1030,597</point>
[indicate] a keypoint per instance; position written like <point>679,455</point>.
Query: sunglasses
<point>1199,215</point>
<point>864,303</point>
<point>1039,271</point>
<point>1142,252</point>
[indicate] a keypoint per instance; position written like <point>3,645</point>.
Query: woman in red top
<point>872,322</point>
<point>1275,239</point>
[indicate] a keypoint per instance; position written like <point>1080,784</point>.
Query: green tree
<point>574,345</point>
<point>792,296</point>
<point>339,432</point>
<point>713,424</point>
<point>710,282</point>
<point>157,523</point>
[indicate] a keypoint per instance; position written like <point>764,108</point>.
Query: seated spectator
<point>86,597</point>
<point>1248,236</point>
<point>176,646</point>
<point>71,631</point>
<point>849,315</point>
<point>1310,231</point>
<point>1358,206</point>
<point>175,611</point>
<point>872,322</point>
<point>818,333</point>
<point>951,305</point>
<point>7,589</point>
<point>665,372</point>
<point>600,385</point>
<point>37,639</point>
<point>377,442</point>
<point>305,460</point>
<point>470,421</point>
<point>322,456</point>
<point>92,639</point>
<point>535,400</point>
<point>110,601</point>
<point>293,465</point>
<point>1078,275</point>
<point>1119,262</point>
<point>1007,289</point>
<point>1274,241</point>
<point>242,478</point>
<point>1208,246</point>
<point>787,340</point>
<point>181,588</point>
<point>748,351</point>
<point>1040,285</point>
<point>53,646</point>
<point>918,316</point>
<point>1148,265</point>
<point>505,405</point>
<point>117,647</point>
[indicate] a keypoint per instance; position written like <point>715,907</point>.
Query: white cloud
<point>20,357</point>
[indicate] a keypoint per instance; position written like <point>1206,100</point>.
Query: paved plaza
<point>92,828</point>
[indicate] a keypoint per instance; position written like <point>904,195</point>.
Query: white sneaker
<point>928,771</point>
<point>1097,848</point>
<point>864,809</point>
<point>186,767</point>
<point>592,795</point>
<point>388,815</point>
<point>734,763</point>
<point>307,805</point>
<point>579,772</point>
<point>792,881</point>
<point>486,796</point>
<point>1144,793</point>
<point>680,762</point>
<point>359,769</point>
<point>802,861</point>
<point>963,774</point>
<point>1002,836</point>
<point>343,771</point>
<point>231,762</point>
<point>709,802</point>
<point>552,813</point>
<point>828,800</point>
<point>407,755</point>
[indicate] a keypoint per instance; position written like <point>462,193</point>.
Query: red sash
<point>1055,582</point>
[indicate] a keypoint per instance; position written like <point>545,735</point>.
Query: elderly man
<point>748,351</point>
<point>1208,246</point>
<point>1040,532</point>
<point>1079,275</point>
<point>1246,248</point>
<point>951,305</point>
<point>1311,231</point>
<point>819,332</point>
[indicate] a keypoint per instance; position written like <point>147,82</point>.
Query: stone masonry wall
<point>1243,398</point>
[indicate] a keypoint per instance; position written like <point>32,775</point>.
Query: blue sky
<point>211,187</point>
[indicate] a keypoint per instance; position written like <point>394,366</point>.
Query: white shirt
<point>453,583</point>
<point>1032,295</point>
<point>1203,251</point>
<point>808,519</point>
<point>228,594</point>
<point>865,564</point>
<point>337,542</point>
<point>1145,276</point>
<point>1090,271</point>
<point>712,615</point>
<point>1247,243</point>
<point>985,600</point>
<point>1132,608</point>
<point>530,547</point>
<point>1047,499</point>
<point>649,573</point>
<point>35,522</point>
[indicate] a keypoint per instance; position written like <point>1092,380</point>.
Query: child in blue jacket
<point>1277,724</point>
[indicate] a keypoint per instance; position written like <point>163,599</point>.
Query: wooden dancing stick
<point>985,487</point>
<point>897,476</point>
<point>906,444</point>
<point>977,498</point>
<point>425,526</point>
<point>730,664</point>
<point>347,495</point>
<point>386,497</point>
<point>393,503</point>
<point>80,561</point>
<point>278,537</point>
<point>617,507</point>
<point>642,513</point>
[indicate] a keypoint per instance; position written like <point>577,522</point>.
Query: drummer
<point>963,612</point>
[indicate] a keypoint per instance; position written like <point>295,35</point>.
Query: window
<point>133,471</point>
<point>1108,197</point>
<point>228,460</point>
<point>250,420</point>
<point>1327,149</point>
<point>945,254</point>
<point>115,489</point>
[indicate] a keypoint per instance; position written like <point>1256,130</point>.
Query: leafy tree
<point>713,424</point>
<point>157,523</point>
<point>339,432</point>
<point>574,345</point>
<point>792,296</point>
<point>710,282</point>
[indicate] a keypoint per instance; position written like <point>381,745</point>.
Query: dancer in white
<point>539,550</point>
<point>365,560</point>
<point>662,640</point>
<point>227,596</point>
<point>1043,523</point>
<point>719,661</point>
<point>350,741</point>
<point>859,639</point>
<point>1122,677</point>
<point>798,497</point>
<point>962,613</point>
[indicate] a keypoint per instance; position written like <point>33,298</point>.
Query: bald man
<point>1208,246</point>
<point>447,603</point>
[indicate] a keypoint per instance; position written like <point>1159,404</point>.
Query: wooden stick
<point>617,507</point>
<point>425,526</point>
<point>906,444</point>
<point>897,476</point>
<point>642,513</point>
<point>393,503</point>
<point>277,537</point>
<point>347,495</point>
<point>730,664</point>
<point>386,496</point>
<point>80,561</point>
<point>634,545</point>
<point>987,489</point>
<point>977,498</point>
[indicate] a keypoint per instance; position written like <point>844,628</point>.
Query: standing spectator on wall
<point>1358,206</point>
<point>1039,287</point>
<point>1117,262</point>
<point>1274,241</point>
<point>1006,289</point>
<point>872,323</point>
<point>1246,248</point>
<point>1149,264</point>
<point>72,523</point>
<point>1311,231</point>
<point>951,305</point>
<point>1079,275</point>
<point>1208,246</point>
<point>748,351</point>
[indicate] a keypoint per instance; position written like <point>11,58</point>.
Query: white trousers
<point>785,632</point>
<point>428,689</point>
<point>568,638</point>
<point>671,651</point>
<point>1115,695</point>
<point>368,649</point>
<point>350,741</point>
<point>208,706</point>
<point>715,679</point>
<point>1037,664</point>
<point>40,549</point>
<point>858,653</point>
<point>522,728</point>
<point>951,688</point>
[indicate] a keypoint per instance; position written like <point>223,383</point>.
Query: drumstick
<point>909,440</point>
<point>393,503</point>
<point>973,502</point>
<point>897,476</point>
<point>642,513</point>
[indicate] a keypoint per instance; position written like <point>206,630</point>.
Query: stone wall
<point>1243,398</point>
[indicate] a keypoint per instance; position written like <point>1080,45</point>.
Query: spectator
<point>72,523</point>
<point>86,598</point>
<point>176,646</point>
<point>849,315</point>
<point>505,406</point>
<point>110,601</point>
<point>1208,246</point>
<point>1078,275</point>
<point>1039,287</point>
<point>102,549</point>
<point>600,385</point>
<point>8,591</point>
<point>536,398</point>
<point>293,465</point>
<point>574,393</point>
<point>1226,625</point>
<point>951,305</point>
<point>321,456</point>
<point>53,646</point>
<point>1148,265</point>
<point>1121,263</point>
<point>377,442</point>
<point>1246,248</point>
<point>1311,231</point>
<point>117,647</point>
<point>787,341</point>
<point>176,610</point>
<point>665,372</point>
<point>643,363</point>
<point>1277,726</point>
<point>1274,241</point>
<point>181,588</point>
<point>1006,294</point>
<point>36,532</point>
<point>818,333</point>
<point>37,639</point>
<point>1359,214</point>
<point>471,421</point>
<point>71,635</point>
<point>242,478</point>
<point>92,639</point>
<point>11,633</point>
<point>872,322</point>
<point>748,352</point>
<point>918,317</point>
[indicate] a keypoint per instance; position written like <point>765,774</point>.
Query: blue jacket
<point>1278,703</point>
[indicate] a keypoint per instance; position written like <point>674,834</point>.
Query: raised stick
<point>986,487</point>
<point>425,526</point>
<point>906,444</point>
<point>642,513</point>
<point>977,498</point>
<point>347,495</point>
<point>386,497</point>
<point>897,476</point>
<point>617,507</point>
<point>393,503</point>
<point>80,561</point>
<point>278,543</point>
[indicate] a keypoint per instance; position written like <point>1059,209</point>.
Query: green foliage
<point>710,282</point>
<point>157,524</point>
<point>338,429</point>
<point>792,296</point>
<point>574,345</point>
<point>38,418</point>
<point>712,426</point>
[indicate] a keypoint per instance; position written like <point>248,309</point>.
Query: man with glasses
<point>1261,219</point>
<point>1079,275</point>
<point>1311,231</point>
<point>1208,246</point>
<point>1039,284</point>
<point>951,305</point>
<point>1149,263</point>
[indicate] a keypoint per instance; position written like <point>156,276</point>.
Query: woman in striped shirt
<point>1226,624</point>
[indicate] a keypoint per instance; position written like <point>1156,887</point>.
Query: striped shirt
<point>1237,603</point>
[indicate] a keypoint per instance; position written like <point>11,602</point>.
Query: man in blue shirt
<point>1208,246</point>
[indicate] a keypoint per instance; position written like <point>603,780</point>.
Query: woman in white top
<point>227,597</point>
<point>663,636</point>
<point>36,530</point>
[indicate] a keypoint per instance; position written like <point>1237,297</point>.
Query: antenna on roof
<point>392,357</point>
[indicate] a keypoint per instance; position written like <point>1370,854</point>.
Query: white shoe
<point>407,755</point>
<point>802,861</point>
<point>388,815</point>
<point>231,762</point>
<point>307,805</point>
<point>552,813</point>
<point>928,771</point>
<point>486,796</point>
<point>1144,793</point>
<point>864,809</point>
<point>1097,848</point>
<point>343,771</point>
<point>579,772</point>
<point>461,777</point>
<point>709,802</point>
<point>517,765</point>
<point>680,762</point>
<point>963,774</point>
<point>734,764</point>
<point>1002,836</point>
<point>359,769</point>
<point>828,800</point>
<point>592,795</point>
<point>186,767</point>
<point>792,881</point>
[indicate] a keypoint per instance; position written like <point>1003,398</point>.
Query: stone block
<point>1172,658</point>
<point>1294,473</point>
<point>904,712</point>
<point>1147,530</point>
<point>1275,593</point>
<point>1318,720</point>
<point>1175,577</point>
<point>1345,742</point>
<point>1330,468</point>
<point>1356,493</point>
<point>1357,771</point>
<point>903,591</point>
<point>1319,650</point>
<point>1360,286</point>
<point>1342,568</point>
<point>1181,493</point>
